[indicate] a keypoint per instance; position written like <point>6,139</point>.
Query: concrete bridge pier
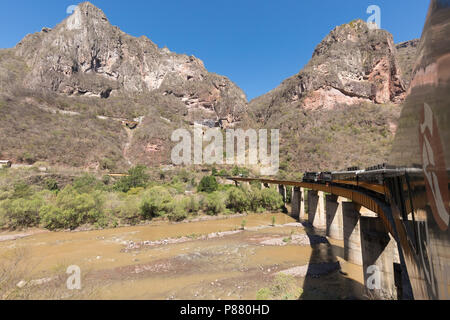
<point>282,191</point>
<point>298,203</point>
<point>302,204</point>
<point>351,233</point>
<point>379,253</point>
<point>297,200</point>
<point>245,184</point>
<point>333,210</point>
<point>316,209</point>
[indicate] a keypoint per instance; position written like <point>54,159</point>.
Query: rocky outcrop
<point>85,55</point>
<point>406,54</point>
<point>353,64</point>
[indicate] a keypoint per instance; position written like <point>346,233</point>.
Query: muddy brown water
<point>188,265</point>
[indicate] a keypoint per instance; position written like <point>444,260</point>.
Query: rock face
<point>407,53</point>
<point>65,93</point>
<point>342,109</point>
<point>86,56</point>
<point>353,64</point>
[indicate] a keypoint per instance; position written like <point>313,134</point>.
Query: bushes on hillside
<point>157,202</point>
<point>71,210</point>
<point>271,199</point>
<point>253,199</point>
<point>137,177</point>
<point>178,211</point>
<point>89,202</point>
<point>237,200</point>
<point>87,183</point>
<point>208,184</point>
<point>24,212</point>
<point>214,203</point>
<point>51,184</point>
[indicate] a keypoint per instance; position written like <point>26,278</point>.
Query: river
<point>211,259</point>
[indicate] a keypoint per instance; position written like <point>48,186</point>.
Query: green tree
<point>51,184</point>
<point>137,177</point>
<point>214,203</point>
<point>86,183</point>
<point>22,190</point>
<point>237,200</point>
<point>72,209</point>
<point>271,199</point>
<point>157,202</point>
<point>22,212</point>
<point>208,184</point>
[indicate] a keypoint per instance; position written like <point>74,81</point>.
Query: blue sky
<point>257,44</point>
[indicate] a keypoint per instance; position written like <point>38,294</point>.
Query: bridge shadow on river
<point>325,279</point>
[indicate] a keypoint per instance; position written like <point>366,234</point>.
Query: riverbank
<point>212,259</point>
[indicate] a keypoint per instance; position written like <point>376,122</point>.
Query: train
<point>354,176</point>
<point>414,183</point>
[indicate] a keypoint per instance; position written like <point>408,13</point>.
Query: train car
<point>317,177</point>
<point>312,177</point>
<point>419,193</point>
<point>325,177</point>
<point>346,177</point>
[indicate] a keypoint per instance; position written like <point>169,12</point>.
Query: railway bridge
<point>357,216</point>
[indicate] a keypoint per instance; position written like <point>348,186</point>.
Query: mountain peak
<point>86,14</point>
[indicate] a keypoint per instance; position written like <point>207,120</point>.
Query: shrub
<point>17,213</point>
<point>255,200</point>
<point>235,172</point>
<point>223,173</point>
<point>135,191</point>
<point>256,185</point>
<point>86,184</point>
<point>157,202</point>
<point>184,176</point>
<point>137,177</point>
<point>214,204</point>
<point>106,179</point>
<point>240,171</point>
<point>71,210</point>
<point>208,184</point>
<point>178,212</point>
<point>51,184</point>
<point>53,217</point>
<point>22,190</point>
<point>107,164</point>
<point>271,199</point>
<point>127,208</point>
<point>237,200</point>
<point>191,204</point>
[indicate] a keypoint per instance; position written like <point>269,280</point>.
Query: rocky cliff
<point>65,93</point>
<point>352,65</point>
<point>407,54</point>
<point>86,56</point>
<point>342,109</point>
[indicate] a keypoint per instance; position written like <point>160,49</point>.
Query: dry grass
<point>18,281</point>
